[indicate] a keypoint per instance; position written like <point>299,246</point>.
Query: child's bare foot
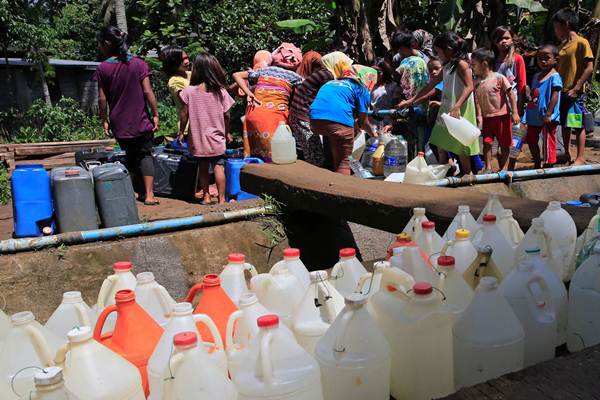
<point>578,161</point>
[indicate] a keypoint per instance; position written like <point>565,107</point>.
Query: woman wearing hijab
<point>311,62</point>
<point>268,105</point>
<point>338,101</point>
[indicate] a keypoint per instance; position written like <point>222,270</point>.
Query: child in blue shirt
<point>543,110</point>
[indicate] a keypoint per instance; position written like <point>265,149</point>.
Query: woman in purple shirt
<point>124,88</point>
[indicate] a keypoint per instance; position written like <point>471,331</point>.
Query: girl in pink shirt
<point>206,107</point>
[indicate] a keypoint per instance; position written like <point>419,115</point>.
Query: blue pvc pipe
<point>167,225</point>
<point>511,176</point>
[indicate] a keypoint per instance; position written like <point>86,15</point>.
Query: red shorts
<point>499,127</point>
<point>548,132</point>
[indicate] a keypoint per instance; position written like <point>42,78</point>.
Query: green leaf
<point>530,5</point>
<point>297,25</point>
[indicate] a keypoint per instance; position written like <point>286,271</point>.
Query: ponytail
<point>116,40</point>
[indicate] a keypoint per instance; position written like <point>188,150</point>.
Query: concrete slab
<point>36,280</point>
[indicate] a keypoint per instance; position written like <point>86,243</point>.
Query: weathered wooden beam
<point>378,204</point>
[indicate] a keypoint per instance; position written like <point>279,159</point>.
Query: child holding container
<point>543,111</point>
<point>491,93</point>
<point>457,97</point>
<point>206,107</point>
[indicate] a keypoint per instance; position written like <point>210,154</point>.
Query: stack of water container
<point>67,198</point>
<point>442,312</point>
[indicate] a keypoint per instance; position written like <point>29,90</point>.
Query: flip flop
<point>154,202</point>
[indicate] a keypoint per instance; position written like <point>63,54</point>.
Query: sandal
<point>154,202</point>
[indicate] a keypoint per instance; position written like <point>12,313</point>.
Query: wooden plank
<point>101,142</point>
<point>48,150</point>
<point>378,204</point>
<point>574,376</point>
<point>50,163</point>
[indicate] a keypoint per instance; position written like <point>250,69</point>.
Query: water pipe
<point>511,176</point>
<point>120,232</point>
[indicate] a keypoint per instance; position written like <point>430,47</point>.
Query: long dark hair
<point>116,40</point>
<point>387,72</point>
<point>171,57</point>
<point>452,42</point>
<point>207,70</point>
<point>496,35</point>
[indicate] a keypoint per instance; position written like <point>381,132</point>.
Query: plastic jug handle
<point>101,320</point>
<point>445,247</point>
<point>82,315</point>
<point>258,282</point>
<point>536,287</point>
<point>174,364</point>
<point>40,344</point>
<point>193,292</point>
<point>251,268</point>
<point>339,345</point>
<point>328,304</point>
<point>265,357</point>
<point>105,289</point>
<point>277,266</point>
<point>164,299</point>
<point>206,320</point>
<point>335,273</point>
<point>513,232</point>
<point>362,280</point>
<point>61,355</point>
<point>233,318</point>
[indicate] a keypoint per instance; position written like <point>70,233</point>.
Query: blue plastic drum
<point>32,200</point>
<point>233,167</point>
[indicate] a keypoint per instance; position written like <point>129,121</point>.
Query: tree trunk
<point>366,41</point>
<point>45,90</point>
<point>121,15</point>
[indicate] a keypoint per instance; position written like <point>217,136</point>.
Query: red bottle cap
<point>489,218</point>
<point>185,339</point>
<point>236,258</point>
<point>122,266</point>
<point>348,252</point>
<point>291,252</point>
<point>267,320</point>
<point>211,280</point>
<point>446,261</point>
<point>421,154</point>
<point>428,225</point>
<point>422,288</point>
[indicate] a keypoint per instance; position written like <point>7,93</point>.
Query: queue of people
<point>326,99</point>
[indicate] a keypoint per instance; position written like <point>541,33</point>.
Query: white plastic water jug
<point>291,261</point>
<point>277,367</point>
<point>493,207</point>
<point>94,372</point>
<point>429,240</point>
<point>50,385</point>
<point>529,295</point>
<point>563,236</point>
<point>192,375</point>
<point>489,340</point>
<point>413,228</point>
<point>558,292</point>
<point>370,282</point>
<point>122,279</point>
<point>509,227</point>
<point>535,237</point>
<point>590,234</point>
<point>409,260</point>
<point>71,312</point>
<point>584,301</point>
<point>453,286</point>
<point>461,249</point>
<point>233,280</point>
<point>182,320</point>
<point>354,356</point>
<point>347,272</point>
<point>419,332</point>
<point>154,298</point>
<point>461,129</point>
<point>28,344</point>
<point>463,220</point>
<point>418,172</point>
<point>242,328</point>
<point>5,326</point>
<point>283,145</point>
<point>280,292</point>
<point>317,310</point>
<point>503,252</point>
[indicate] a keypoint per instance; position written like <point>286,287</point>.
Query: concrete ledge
<point>36,280</point>
<point>378,204</point>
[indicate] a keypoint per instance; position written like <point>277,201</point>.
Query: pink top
<point>491,95</point>
<point>207,136</point>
